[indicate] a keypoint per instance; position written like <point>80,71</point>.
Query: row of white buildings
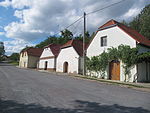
<point>68,58</point>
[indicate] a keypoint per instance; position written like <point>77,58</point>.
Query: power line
<point>90,13</point>
<point>105,7</point>
<point>95,12</point>
<point>74,22</point>
<point>74,30</point>
<point>69,25</point>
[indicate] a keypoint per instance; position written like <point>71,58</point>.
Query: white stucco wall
<point>68,55</point>
<point>131,77</point>
<point>51,61</point>
<point>32,61</point>
<point>115,37</point>
<point>28,61</point>
<point>23,62</point>
<point>46,53</point>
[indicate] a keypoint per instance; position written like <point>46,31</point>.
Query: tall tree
<point>141,23</point>
<point>2,50</point>
<point>88,37</point>
<point>66,36</point>
<point>14,57</point>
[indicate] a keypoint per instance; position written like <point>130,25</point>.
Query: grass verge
<point>130,85</point>
<point>14,63</point>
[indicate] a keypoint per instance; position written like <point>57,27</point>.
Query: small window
<point>103,41</point>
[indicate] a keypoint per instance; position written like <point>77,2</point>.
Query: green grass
<point>110,82</point>
<point>14,63</point>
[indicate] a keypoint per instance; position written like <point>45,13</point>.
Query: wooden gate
<point>114,70</point>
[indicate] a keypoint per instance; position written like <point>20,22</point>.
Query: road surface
<point>30,91</point>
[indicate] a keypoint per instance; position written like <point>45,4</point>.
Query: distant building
<point>48,57</point>
<point>29,58</point>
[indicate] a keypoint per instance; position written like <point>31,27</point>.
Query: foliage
<point>88,63</point>
<point>123,53</point>
<point>144,57</point>
<point>1,58</point>
<point>66,35</point>
<point>93,64</point>
<point>14,57</point>
<point>88,37</point>
<point>141,23</point>
<point>125,23</point>
<point>112,53</point>
<point>16,63</point>
<point>103,62</point>
<point>49,40</point>
<point>2,50</point>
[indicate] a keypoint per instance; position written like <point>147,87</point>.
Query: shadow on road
<point>9,106</point>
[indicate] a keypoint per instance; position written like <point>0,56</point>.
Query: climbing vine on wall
<point>128,56</point>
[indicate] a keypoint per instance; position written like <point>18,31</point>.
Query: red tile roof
<point>109,23</point>
<point>55,48</point>
<point>76,44</point>
<point>134,34</point>
<point>34,51</point>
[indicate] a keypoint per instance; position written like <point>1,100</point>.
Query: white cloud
<point>15,46</point>
<point>2,33</point>
<point>19,4</point>
<point>40,18</point>
<point>18,14</point>
<point>131,13</point>
<point>5,3</point>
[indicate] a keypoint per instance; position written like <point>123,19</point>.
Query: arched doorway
<point>65,67</point>
<point>114,70</point>
<point>45,67</point>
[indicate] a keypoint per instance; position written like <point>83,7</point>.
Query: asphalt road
<point>30,91</point>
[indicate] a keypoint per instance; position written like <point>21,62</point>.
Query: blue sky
<point>28,22</point>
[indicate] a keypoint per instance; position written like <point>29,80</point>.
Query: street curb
<point>128,84</point>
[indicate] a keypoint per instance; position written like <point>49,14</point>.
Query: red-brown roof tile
<point>76,44</point>
<point>134,34</point>
<point>55,48</point>
<point>34,51</point>
<point>109,23</point>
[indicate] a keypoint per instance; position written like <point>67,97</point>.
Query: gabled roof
<point>33,51</point>
<point>134,34</point>
<point>55,48</point>
<point>76,44</point>
<point>108,24</point>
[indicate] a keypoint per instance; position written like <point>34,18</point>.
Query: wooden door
<point>114,70</point>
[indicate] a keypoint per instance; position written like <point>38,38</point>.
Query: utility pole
<point>84,66</point>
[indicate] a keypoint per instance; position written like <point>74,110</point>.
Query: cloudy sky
<point>27,22</point>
